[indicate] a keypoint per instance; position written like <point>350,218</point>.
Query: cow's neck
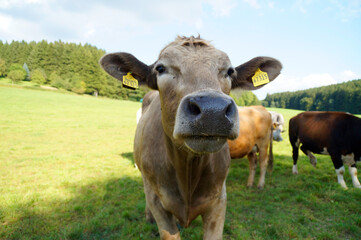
<point>189,169</point>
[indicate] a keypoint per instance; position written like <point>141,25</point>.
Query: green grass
<point>66,172</point>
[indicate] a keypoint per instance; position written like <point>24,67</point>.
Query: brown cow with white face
<point>180,142</point>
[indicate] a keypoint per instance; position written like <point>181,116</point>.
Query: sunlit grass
<point>66,172</point>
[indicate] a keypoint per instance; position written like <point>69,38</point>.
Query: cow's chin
<point>204,145</point>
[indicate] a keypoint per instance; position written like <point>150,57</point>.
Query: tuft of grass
<point>67,172</point>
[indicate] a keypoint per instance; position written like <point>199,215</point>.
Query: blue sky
<point>317,41</point>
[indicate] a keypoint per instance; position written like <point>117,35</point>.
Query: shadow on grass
<point>113,209</point>
<point>129,156</point>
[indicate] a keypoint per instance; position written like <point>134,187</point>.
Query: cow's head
<point>277,129</point>
<point>194,80</point>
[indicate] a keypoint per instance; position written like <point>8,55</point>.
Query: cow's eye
<point>230,71</point>
<point>160,69</point>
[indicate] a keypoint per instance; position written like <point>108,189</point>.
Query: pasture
<point>67,172</point>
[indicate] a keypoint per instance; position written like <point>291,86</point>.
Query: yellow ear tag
<point>260,78</point>
<point>129,81</point>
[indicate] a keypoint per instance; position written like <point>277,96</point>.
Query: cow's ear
<point>119,64</point>
<point>245,72</point>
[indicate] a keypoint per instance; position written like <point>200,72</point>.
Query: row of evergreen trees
<point>344,97</point>
<point>69,66</point>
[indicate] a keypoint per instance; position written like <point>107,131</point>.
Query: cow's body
<point>255,136</point>
<point>186,184</point>
<point>180,142</point>
<point>336,134</point>
<point>278,121</point>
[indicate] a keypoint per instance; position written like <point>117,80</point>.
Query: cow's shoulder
<point>149,143</point>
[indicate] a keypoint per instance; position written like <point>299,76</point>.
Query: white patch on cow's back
<point>325,152</point>
<point>340,179</point>
<point>353,173</point>
<point>348,159</point>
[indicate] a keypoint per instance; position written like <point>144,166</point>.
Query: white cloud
<point>271,4</point>
<point>8,4</point>
<point>347,9</point>
<point>221,7</point>
<point>284,83</point>
<point>25,29</point>
<point>60,19</point>
<point>252,3</point>
<point>348,75</point>
<point>316,80</point>
<point>5,23</point>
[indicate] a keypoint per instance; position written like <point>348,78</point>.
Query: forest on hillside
<point>73,67</point>
<point>344,97</point>
<point>69,66</point>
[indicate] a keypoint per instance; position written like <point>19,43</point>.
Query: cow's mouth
<point>202,144</point>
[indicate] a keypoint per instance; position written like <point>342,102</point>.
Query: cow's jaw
<point>205,120</point>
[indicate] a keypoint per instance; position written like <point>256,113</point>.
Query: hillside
<point>69,66</point>
<point>337,97</point>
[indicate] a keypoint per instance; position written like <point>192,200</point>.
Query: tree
<point>17,75</point>
<point>77,85</point>
<point>2,67</point>
<point>38,76</point>
<point>16,72</point>
<point>306,103</point>
<point>68,60</point>
<point>25,66</point>
<point>244,98</point>
<point>55,80</point>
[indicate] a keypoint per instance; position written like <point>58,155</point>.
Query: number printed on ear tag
<point>130,82</point>
<point>260,78</point>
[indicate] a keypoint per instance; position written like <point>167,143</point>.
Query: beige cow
<point>255,136</point>
<point>180,143</point>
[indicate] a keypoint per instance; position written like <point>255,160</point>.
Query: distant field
<point>66,172</point>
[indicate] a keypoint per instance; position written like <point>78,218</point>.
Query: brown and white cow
<point>180,142</point>
<point>337,134</point>
<point>255,136</point>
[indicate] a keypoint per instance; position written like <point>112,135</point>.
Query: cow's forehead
<point>190,51</point>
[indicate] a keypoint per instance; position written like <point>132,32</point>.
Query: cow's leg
<point>165,221</point>
<point>353,172</point>
<point>295,145</point>
<point>213,219</point>
<point>340,169</point>
<point>252,159</point>
<point>263,161</point>
<point>309,154</point>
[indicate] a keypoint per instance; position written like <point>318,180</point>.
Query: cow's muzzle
<point>205,120</point>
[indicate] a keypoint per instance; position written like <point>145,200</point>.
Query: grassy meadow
<point>66,172</point>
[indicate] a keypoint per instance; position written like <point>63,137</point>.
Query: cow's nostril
<point>230,110</point>
<point>194,108</point>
